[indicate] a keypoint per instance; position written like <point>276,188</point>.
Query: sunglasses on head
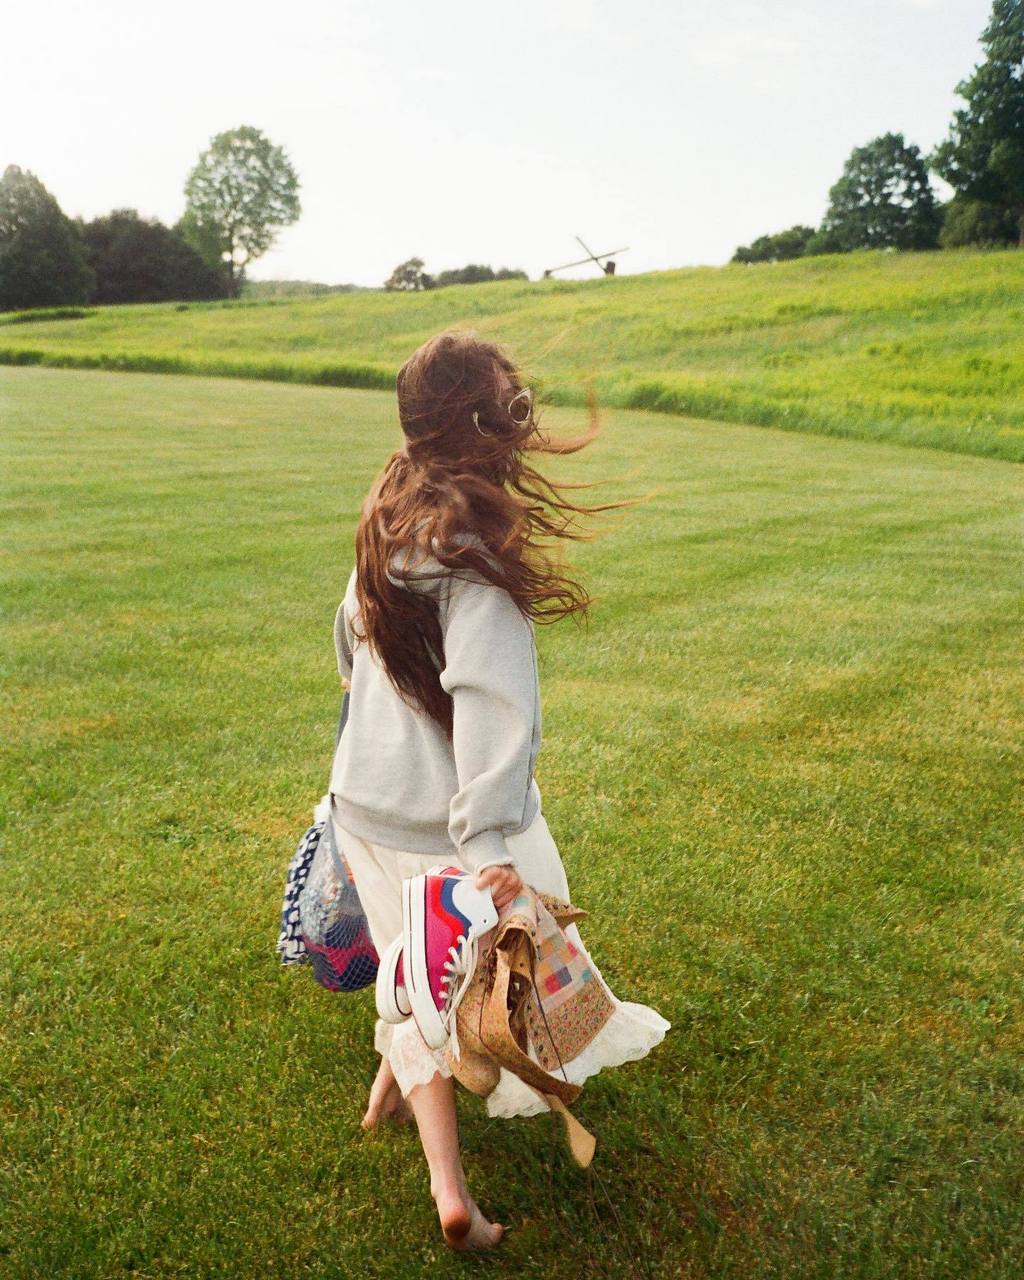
<point>520,415</point>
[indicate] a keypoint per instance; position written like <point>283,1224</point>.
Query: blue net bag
<point>322,919</point>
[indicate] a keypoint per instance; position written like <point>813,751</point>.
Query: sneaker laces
<point>460,964</point>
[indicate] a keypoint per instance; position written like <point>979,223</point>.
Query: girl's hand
<point>346,683</point>
<point>503,882</point>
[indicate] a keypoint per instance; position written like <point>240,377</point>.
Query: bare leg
<point>385,1098</point>
<point>464,1226</point>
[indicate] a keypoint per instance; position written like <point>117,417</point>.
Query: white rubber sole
<point>414,964</point>
<point>389,1002</point>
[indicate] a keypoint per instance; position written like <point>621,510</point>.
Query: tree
<point>884,200</point>
<point>140,260</point>
<point>476,274</point>
<point>205,239</point>
<point>42,259</point>
<point>409,276</point>
<point>983,157</point>
<point>239,196</point>
<point>777,248</point>
<point>966,222</point>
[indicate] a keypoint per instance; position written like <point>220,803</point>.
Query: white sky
<point>462,131</point>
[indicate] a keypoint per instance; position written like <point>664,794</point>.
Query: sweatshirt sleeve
<point>343,638</point>
<point>490,672</point>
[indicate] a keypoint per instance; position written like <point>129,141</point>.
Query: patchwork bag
<point>532,1005</point>
<point>322,919</point>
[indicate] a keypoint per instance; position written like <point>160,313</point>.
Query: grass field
<point>782,766</point>
<point>917,348</point>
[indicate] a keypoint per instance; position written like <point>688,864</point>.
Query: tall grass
<point>916,348</point>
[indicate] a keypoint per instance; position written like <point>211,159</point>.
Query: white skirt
<point>630,1033</point>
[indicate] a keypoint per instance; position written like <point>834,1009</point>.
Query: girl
<point>435,642</point>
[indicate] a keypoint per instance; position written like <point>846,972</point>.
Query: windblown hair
<point>463,471</point>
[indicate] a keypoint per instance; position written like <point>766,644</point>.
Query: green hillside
<point>918,348</point>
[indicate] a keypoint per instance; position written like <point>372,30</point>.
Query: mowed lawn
<point>782,764</point>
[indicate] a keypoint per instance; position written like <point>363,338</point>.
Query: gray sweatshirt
<point>396,778</point>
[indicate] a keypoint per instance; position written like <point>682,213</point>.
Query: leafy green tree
<point>140,260</point>
<point>474,273</point>
<point>983,157</point>
<point>884,200</point>
<point>966,222</point>
<point>42,258</point>
<point>409,276</point>
<point>776,248</point>
<point>240,194</point>
<point>206,240</point>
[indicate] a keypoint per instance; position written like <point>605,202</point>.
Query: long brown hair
<point>469,420</point>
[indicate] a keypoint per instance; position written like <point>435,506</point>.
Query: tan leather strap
<point>496,1031</point>
<point>581,1142</point>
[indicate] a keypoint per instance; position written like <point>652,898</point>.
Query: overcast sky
<point>464,131</point>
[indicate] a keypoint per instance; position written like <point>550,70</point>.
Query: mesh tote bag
<point>322,920</point>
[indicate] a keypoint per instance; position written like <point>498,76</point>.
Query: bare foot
<point>385,1099</point>
<point>462,1223</point>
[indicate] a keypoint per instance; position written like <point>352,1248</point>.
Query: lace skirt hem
<point>630,1033</point>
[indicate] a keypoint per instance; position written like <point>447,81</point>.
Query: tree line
<point>239,195</point>
<point>884,198</point>
<point>243,191</point>
<point>409,276</point>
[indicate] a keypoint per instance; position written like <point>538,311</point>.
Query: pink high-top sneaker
<point>391,996</point>
<point>443,916</point>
